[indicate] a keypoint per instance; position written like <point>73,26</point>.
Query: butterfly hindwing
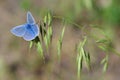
<point>35,28</point>
<point>18,30</point>
<point>29,35</point>
<point>30,18</point>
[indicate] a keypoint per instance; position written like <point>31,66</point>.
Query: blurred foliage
<point>111,13</point>
<point>100,16</point>
<point>108,10</point>
<point>26,4</point>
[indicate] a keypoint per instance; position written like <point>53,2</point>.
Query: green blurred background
<point>17,62</point>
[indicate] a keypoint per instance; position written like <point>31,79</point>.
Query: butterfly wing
<point>18,30</point>
<point>30,18</point>
<point>29,35</point>
<point>35,28</point>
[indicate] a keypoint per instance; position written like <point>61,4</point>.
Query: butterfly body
<point>28,31</point>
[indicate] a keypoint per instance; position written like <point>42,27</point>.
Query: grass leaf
<point>40,49</point>
<point>59,44</point>
<point>30,44</point>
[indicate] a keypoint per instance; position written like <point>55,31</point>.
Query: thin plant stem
<point>61,18</point>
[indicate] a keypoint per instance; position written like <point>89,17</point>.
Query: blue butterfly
<point>28,31</point>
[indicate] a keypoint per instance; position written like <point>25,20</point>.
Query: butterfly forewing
<point>30,18</point>
<point>18,30</point>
